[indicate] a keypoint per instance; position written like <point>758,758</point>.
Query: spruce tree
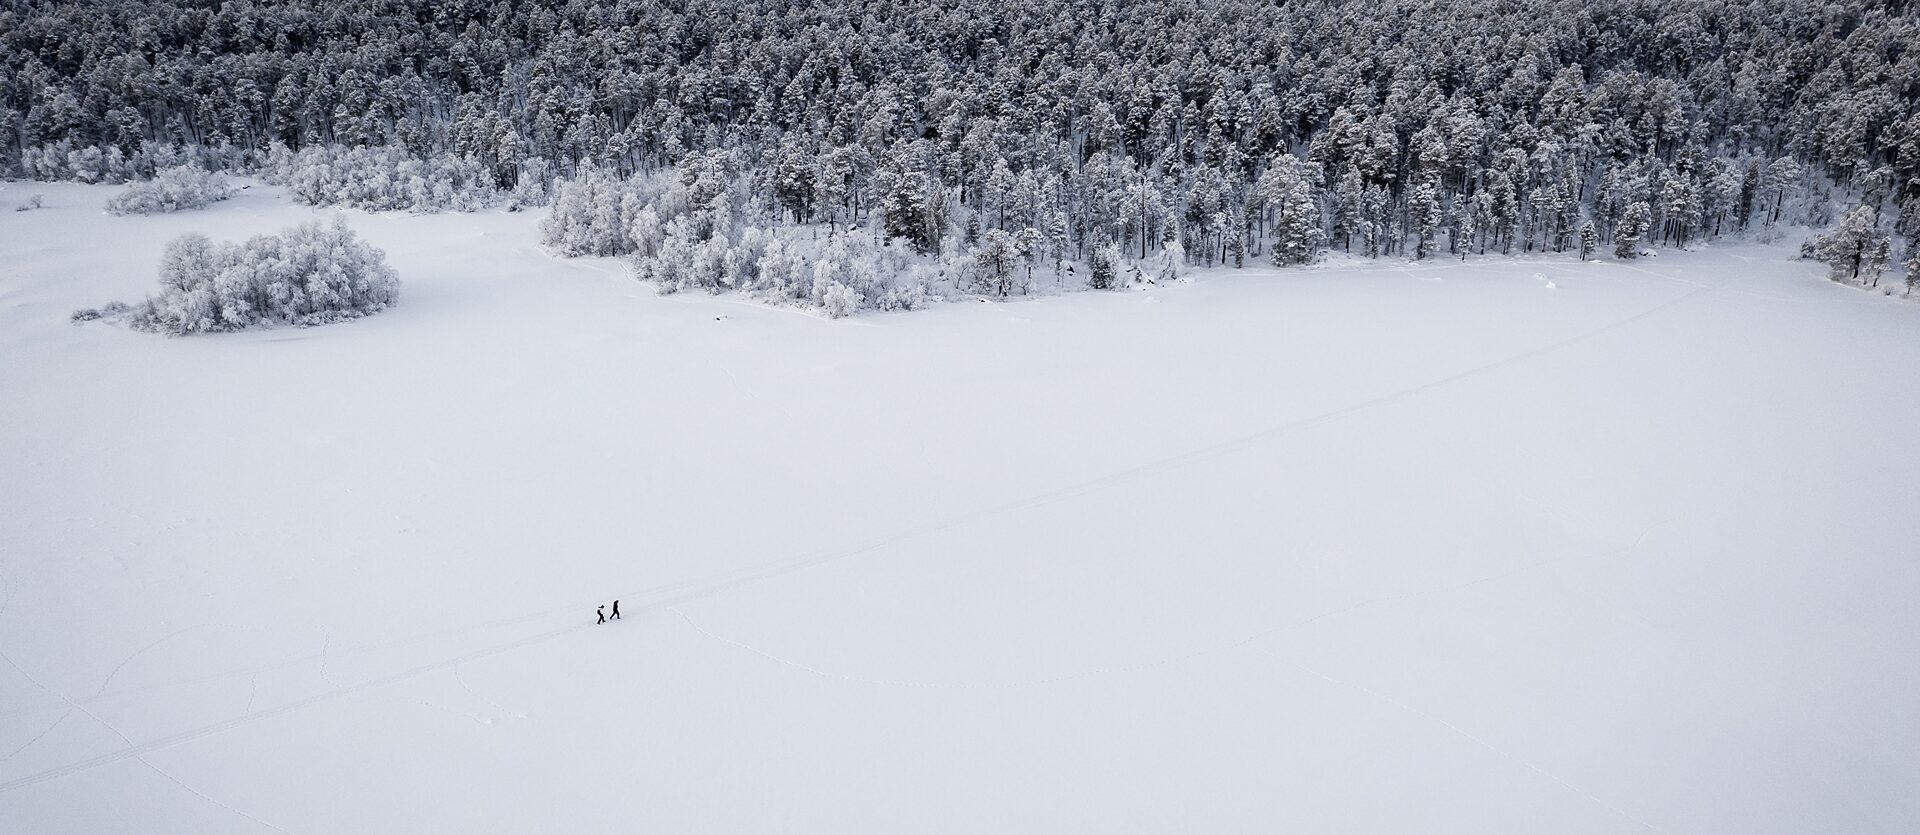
<point>904,211</point>
<point>1633,223</point>
<point>1855,249</point>
<point>1104,266</point>
<point>1423,212</point>
<point>1289,195</point>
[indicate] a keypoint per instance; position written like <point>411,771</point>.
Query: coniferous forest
<point>854,154</point>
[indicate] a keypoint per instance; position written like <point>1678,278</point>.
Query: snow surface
<point>1370,548</point>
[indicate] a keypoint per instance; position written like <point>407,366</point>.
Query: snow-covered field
<point>1533,546</point>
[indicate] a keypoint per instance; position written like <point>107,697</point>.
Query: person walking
<point>602,612</point>
<point>616,611</point>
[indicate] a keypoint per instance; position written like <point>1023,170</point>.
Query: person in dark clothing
<point>616,611</point>
<point>602,612</point>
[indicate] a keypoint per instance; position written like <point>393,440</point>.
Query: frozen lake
<point>1481,546</point>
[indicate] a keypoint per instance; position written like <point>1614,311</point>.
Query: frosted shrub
<point>380,179</point>
<point>106,311</point>
<point>47,163</point>
<point>95,164</point>
<point>311,274</point>
<point>1855,249</point>
<point>740,263</point>
<point>176,188</point>
<point>1171,259</point>
<point>910,290</point>
<point>838,300</point>
<point>595,213</point>
<point>109,164</point>
<point>853,273</point>
<point>530,189</point>
<point>702,229</point>
<point>783,274</point>
<point>957,267</point>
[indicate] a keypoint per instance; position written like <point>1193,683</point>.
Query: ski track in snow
<point>1229,645</point>
<point>137,653</point>
<point>42,735</point>
<point>132,750</point>
<point>13,585</point>
<point>141,749</point>
<point>750,576</point>
<point>303,659</point>
<point>685,592</point>
<point>688,592</point>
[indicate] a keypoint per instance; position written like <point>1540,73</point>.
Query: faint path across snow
<point>137,752</point>
<point>141,749</point>
<point>670,595</point>
<point>694,590</point>
<point>1228,645</point>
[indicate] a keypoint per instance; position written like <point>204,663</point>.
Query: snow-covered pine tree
<point>1103,264</point>
<point>1423,212</point>
<point>1288,195</point>
<point>1058,240</point>
<point>1780,178</point>
<point>1504,209</point>
<point>905,211</point>
<point>995,259</point>
<point>1855,249</point>
<point>1347,197</point>
<point>1633,223</point>
<point>1118,128</point>
<point>1026,244</point>
<point>1237,232</point>
<point>1874,261</point>
<point>1172,257</point>
<point>793,177</point>
<point>1749,192</point>
<point>1375,221</point>
<point>1464,218</point>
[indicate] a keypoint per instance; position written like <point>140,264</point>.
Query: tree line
<point>1186,132</point>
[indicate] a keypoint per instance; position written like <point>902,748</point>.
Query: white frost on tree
<point>593,214</point>
<point>382,178</point>
<point>1855,249</point>
<point>1289,197</point>
<point>995,260</point>
<point>312,274</point>
<point>174,189</point>
<point>1633,223</point>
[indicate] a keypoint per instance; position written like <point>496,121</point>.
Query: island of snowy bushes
<point>171,190</point>
<point>312,274</point>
